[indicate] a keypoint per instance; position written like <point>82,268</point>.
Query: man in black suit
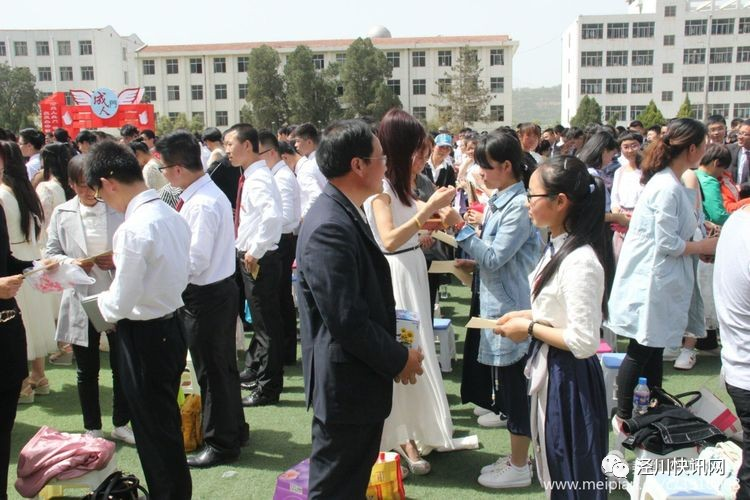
<point>740,166</point>
<point>350,355</point>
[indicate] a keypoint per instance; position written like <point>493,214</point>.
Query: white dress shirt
<point>33,165</point>
<point>742,165</point>
<point>260,212</point>
<point>151,256</point>
<point>209,214</point>
<point>311,182</point>
<point>291,207</point>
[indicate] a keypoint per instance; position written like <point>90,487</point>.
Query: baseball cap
<point>444,140</point>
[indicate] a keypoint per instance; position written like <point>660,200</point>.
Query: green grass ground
<point>280,435</point>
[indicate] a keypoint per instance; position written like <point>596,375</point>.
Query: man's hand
<point>9,286</point>
<point>465,264</point>
<point>251,263</point>
<point>412,368</point>
<point>84,264</point>
<point>105,262</point>
<point>426,241</point>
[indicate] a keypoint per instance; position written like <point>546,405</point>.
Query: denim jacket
<point>506,253</point>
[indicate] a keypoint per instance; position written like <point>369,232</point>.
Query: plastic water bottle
<point>641,397</point>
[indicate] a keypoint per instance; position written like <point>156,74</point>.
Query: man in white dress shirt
<point>31,141</point>
<point>151,256</point>
<point>209,316</point>
<point>259,221</point>
<point>311,181</point>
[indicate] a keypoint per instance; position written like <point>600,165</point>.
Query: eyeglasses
<point>165,167</point>
<point>529,196</point>
<point>383,158</point>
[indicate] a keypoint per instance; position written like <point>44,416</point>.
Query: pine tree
<point>589,112</point>
<point>463,90</point>
<point>310,94</point>
<point>19,99</point>
<point>651,116</point>
<point>686,110</point>
<point>265,88</point>
<point>363,76</point>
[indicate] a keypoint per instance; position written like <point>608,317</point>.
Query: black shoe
<point>249,386</point>
<point>208,457</point>
<point>247,376</point>
<point>257,398</point>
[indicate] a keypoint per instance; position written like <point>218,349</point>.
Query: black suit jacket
<point>446,176</point>
<point>734,150</point>
<point>347,315</point>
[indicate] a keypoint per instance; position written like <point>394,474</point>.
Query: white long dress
<point>51,194</point>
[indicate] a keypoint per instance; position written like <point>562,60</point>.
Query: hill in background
<point>540,105</point>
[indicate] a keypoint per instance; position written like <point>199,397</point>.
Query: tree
<point>466,94</point>
<point>686,110</point>
<point>363,75</point>
<point>19,99</point>
<point>196,124</point>
<point>164,125</point>
<point>265,88</point>
<point>588,112</point>
<point>310,94</point>
<point>651,116</point>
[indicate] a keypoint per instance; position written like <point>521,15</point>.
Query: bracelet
<point>530,330</point>
<point>416,221</point>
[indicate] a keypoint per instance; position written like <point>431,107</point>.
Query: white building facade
<point>661,50</point>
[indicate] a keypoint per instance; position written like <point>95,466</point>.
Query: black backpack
<point>118,486</point>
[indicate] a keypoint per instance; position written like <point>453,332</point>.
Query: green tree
<point>197,124</point>
<point>180,122</point>
<point>311,95</point>
<point>19,99</point>
<point>686,110</point>
<point>164,125</point>
<point>467,96</point>
<point>265,88</point>
<point>589,111</point>
<point>363,75</point>
<point>651,116</point>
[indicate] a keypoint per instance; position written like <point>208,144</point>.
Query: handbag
<point>386,481</point>
<point>118,486</point>
<point>192,430</point>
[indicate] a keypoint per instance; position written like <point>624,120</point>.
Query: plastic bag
<point>64,277</point>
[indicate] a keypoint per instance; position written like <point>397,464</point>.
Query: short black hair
<point>212,134</point>
<point>246,132</point>
<point>268,140</point>
<point>33,137</point>
<point>128,130</point>
<point>500,146</point>
<point>148,133</point>
<point>307,131</point>
<point>654,128</point>
<point>139,146</point>
<point>636,123</point>
<point>285,130</point>
<point>76,169</point>
<point>343,141</point>
<point>112,160</point>
<point>86,136</point>
<point>180,148</point>
<point>285,148</point>
<point>716,119</point>
<point>61,135</point>
<point>717,152</point>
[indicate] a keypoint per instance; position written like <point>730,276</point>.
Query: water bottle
<point>444,292</point>
<point>641,397</point>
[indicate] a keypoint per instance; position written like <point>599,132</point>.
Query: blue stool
<point>445,335</point>
<point>610,366</point>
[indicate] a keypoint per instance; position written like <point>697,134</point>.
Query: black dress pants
<point>287,250</point>
<point>151,359</point>
<point>741,400</point>
<point>13,369</point>
<point>209,323</point>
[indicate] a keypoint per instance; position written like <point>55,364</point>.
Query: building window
<point>243,63</point>
<point>497,113</point>
<point>220,64</point>
<point>20,49</point>
<point>220,91</point>
<point>635,111</point>
<point>644,29</point>
<point>615,112</point>
<point>419,87</point>
<point>591,86</point>
<point>670,10</point>
<point>742,110</point>
<point>66,73</point>
<point>497,57</point>
<point>445,58</point>
<point>149,93</point>
<point>87,72</point>
<point>125,78</point>
<point>696,110</point>
<point>340,57</point>
<point>743,54</point>
<point>694,56</point>
<point>721,55</point>
<point>722,26</point>
<point>718,109</point>
<point>63,48</point>
<point>418,59</point>
<point>173,92</point>
<point>642,57</point>
<point>617,58</point>
<point>318,61</point>
<point>695,27</point>
<point>667,68</point>
<point>196,92</point>
<point>668,40</point>
<point>617,30</point>
<point>173,67</point>
<point>395,86</point>
<point>444,85</point>
<point>199,117</point>
<point>742,82</point>
<point>394,58</point>
<point>641,85</point>
<point>693,83</point>
<point>69,99</point>
<point>242,90</point>
<point>497,84</point>
<point>719,83</point>
<point>617,86</point>
<point>124,54</point>
<point>149,67</point>
<point>196,65</point>
<point>42,48</point>
<point>743,27</point>
<point>666,96</point>
<point>3,50</point>
<point>45,74</point>
<point>172,115</point>
<point>592,31</point>
<point>222,118</point>
<point>419,112</point>
<point>591,59</point>
<point>85,48</point>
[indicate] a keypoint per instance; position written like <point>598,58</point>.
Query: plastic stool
<point>666,487</point>
<point>88,481</point>
<point>445,335</point>
<point>610,366</point>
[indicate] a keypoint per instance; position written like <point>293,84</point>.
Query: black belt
<point>163,318</point>
<point>402,251</point>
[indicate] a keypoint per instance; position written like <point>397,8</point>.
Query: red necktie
<point>180,202</point>
<point>238,203</point>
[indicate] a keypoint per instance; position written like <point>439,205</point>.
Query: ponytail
<point>681,134</point>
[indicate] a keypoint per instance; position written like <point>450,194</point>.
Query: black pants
<point>640,361</point>
<point>342,459</point>
<point>209,323</point>
<point>87,378</point>
<point>287,249</point>
<point>265,355</point>
<point>741,400</point>
<point>13,369</point>
<point>151,359</point>
<point>8,404</point>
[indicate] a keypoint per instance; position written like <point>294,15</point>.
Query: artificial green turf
<point>280,435</point>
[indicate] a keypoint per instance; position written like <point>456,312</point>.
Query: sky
<point>537,24</point>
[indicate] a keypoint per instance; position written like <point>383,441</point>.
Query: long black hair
<point>16,177</point>
<point>55,158</point>
<point>584,221</point>
<point>591,153</point>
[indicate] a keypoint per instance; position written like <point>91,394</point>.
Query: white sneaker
<point>506,476</point>
<point>686,360</point>
<point>500,463</point>
<point>493,420</point>
<point>671,353</point>
<point>479,411</point>
<point>124,433</point>
<point>94,433</point>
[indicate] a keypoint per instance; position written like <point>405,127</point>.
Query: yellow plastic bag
<point>386,482</point>
<point>192,430</point>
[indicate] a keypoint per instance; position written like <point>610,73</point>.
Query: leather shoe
<point>208,457</point>
<point>249,386</point>
<point>257,398</point>
<point>247,376</point>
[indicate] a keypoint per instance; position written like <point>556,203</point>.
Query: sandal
<point>40,387</point>
<point>26,396</point>
<point>419,467</point>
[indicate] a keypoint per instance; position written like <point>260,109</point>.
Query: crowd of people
<point>567,232</point>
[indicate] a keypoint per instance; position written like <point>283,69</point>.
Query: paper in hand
<point>449,267</point>
<point>475,322</point>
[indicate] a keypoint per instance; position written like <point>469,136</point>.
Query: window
<point>149,93</point>
<point>589,59</point>
<point>591,31</point>
<point>617,86</point>
<point>666,96</point>
<point>641,85</point>
<point>497,113</point>
<point>125,78</point>
<point>643,29</point>
<point>743,27</point>
<point>394,58</point>
<point>635,111</point>
<point>743,54</point>
<point>318,61</point>
<point>617,58</point>
<point>149,68</point>
<point>3,50</point>
<point>617,30</point>
<point>222,118</point>
<point>172,115</point>
<point>742,82</point>
<point>497,57</point>
<point>419,112</point>
<point>667,68</point>
<point>742,110</point>
<point>694,56</point>
<point>718,109</point>
<point>199,117</point>
<point>720,55</point>
<point>63,48</point>
<point>69,99</point>
<point>615,112</point>
<point>670,10</point>
<point>66,73</point>
<point>340,57</point>
<point>44,74</point>
<point>419,87</point>
<point>173,92</point>
<point>668,40</point>
<point>243,63</point>
<point>242,88</point>
<point>220,64</point>
<point>196,92</point>
<point>719,83</point>
<point>591,86</point>
<point>693,83</point>
<point>695,27</point>
<point>20,49</point>
<point>418,59</point>
<point>642,58</point>
<point>196,65</point>
<point>85,48</point>
<point>497,84</point>
<point>87,72</point>
<point>696,110</point>
<point>395,86</point>
<point>124,54</point>
<point>220,91</point>
<point>42,48</point>
<point>444,85</point>
<point>445,58</point>
<point>722,26</point>
<point>173,67</point>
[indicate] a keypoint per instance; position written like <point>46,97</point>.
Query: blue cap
<point>444,140</point>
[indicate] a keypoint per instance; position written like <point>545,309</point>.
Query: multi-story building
<point>661,50</point>
<point>210,81</point>
<point>67,59</point>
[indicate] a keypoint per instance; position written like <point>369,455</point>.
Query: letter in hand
<point>412,368</point>
<point>9,286</point>
<point>85,264</point>
<point>105,262</point>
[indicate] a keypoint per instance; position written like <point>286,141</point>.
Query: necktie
<point>745,168</point>
<point>238,203</point>
<point>180,202</point>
